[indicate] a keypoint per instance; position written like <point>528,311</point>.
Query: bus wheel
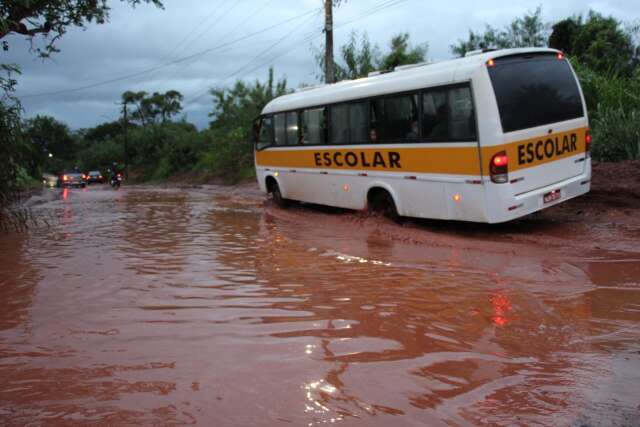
<point>381,202</point>
<point>276,195</point>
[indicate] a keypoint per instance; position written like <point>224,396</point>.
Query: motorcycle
<point>115,181</point>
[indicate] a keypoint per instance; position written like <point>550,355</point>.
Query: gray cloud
<point>144,37</point>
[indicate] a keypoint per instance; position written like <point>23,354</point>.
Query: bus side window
<point>339,124</point>
<point>292,128</point>
<point>395,118</point>
<point>265,135</point>
<point>359,122</point>
<point>313,126</point>
<point>435,116</point>
<point>280,131</point>
<point>462,122</point>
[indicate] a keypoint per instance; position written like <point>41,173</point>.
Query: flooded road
<point>207,306</point>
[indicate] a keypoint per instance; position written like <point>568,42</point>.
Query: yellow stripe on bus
<point>450,160</point>
<point>541,150</point>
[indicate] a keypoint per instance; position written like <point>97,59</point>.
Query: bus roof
<point>401,80</point>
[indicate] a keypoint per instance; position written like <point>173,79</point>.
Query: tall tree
<point>235,108</point>
<point>11,145</point>
<point>103,132</point>
<point>599,42</point>
<point>402,53</point>
<point>46,135</point>
<point>359,56</point>
<point>51,18</point>
<point>135,99</point>
<point>170,105</point>
<point>158,107</point>
<point>526,31</point>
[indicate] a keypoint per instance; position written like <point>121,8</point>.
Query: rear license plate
<point>551,196</point>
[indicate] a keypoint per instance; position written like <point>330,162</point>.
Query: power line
<point>218,19</point>
<point>227,35</point>
<point>267,50</point>
<point>176,61</point>
<point>310,36</point>
<point>283,38</point>
<point>193,30</point>
<point>372,11</point>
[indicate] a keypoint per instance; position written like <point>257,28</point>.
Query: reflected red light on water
<point>65,193</point>
<point>501,307</point>
<point>500,320</point>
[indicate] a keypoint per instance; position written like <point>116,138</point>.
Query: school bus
<point>490,137</point>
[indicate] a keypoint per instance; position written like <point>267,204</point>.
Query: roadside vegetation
<point>154,138</point>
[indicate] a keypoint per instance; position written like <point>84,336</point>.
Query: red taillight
<point>499,168</point>
<point>84,177</point>
<point>500,159</point>
<point>560,56</point>
<point>587,140</point>
<point>65,178</point>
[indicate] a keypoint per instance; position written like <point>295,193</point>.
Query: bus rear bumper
<point>533,201</point>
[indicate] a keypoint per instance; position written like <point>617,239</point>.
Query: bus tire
<point>276,194</point>
<point>381,202</point>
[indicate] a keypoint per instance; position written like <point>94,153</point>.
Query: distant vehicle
<point>116,180</point>
<point>94,177</point>
<point>49,180</point>
<point>490,138</point>
<point>72,179</point>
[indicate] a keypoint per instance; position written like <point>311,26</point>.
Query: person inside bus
<point>413,134</point>
<point>373,135</point>
<point>440,129</point>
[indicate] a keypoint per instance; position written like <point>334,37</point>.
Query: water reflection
<point>18,279</point>
<point>151,306</point>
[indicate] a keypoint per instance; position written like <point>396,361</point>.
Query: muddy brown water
<point>151,306</point>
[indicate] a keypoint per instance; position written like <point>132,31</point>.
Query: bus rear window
<point>534,91</point>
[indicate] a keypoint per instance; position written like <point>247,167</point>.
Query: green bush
<point>178,155</point>
<point>603,91</point>
<point>101,154</point>
<point>614,112</point>
<point>229,156</point>
<point>164,149</point>
<point>24,181</point>
<point>616,134</point>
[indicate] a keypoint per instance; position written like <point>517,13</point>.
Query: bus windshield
<point>534,91</point>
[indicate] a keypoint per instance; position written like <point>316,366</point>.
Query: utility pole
<point>329,65</point>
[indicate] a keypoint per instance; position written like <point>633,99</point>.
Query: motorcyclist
<point>113,175</point>
<point>113,171</point>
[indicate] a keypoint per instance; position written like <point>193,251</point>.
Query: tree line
<point>160,143</point>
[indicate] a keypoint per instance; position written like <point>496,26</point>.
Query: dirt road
<point>208,306</point>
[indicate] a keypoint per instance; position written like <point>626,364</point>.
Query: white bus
<point>488,138</point>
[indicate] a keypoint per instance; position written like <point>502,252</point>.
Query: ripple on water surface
<point>149,306</point>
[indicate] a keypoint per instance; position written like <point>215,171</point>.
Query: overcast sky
<point>149,49</point>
